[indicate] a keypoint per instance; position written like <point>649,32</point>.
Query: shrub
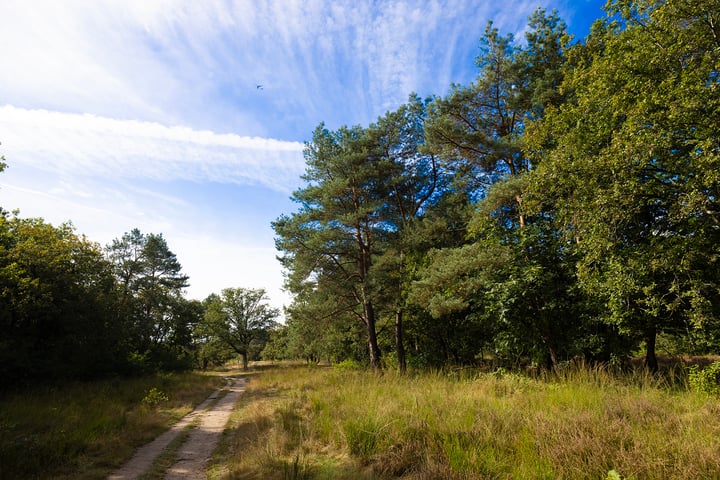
<point>348,365</point>
<point>154,397</point>
<point>706,380</point>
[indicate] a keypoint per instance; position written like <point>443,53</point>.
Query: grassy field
<point>326,423</point>
<point>85,430</point>
<point>331,423</point>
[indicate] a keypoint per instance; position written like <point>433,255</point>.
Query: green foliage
<point>347,365</point>
<point>344,250</point>
<point>705,380</point>
<point>157,319</point>
<point>590,171</point>
<point>58,302</point>
<point>70,312</point>
<point>614,475</point>
<point>629,167</point>
<point>154,397</point>
<point>277,347</point>
<point>238,319</point>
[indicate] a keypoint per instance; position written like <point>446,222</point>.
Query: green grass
<point>324,423</point>
<point>85,430</point>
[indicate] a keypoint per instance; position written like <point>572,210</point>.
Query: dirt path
<point>194,454</point>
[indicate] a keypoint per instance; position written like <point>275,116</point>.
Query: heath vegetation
<point>326,423</point>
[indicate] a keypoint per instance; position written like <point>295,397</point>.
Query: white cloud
<point>233,254</point>
<point>88,145</point>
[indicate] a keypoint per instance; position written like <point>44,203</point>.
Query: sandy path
<point>194,454</point>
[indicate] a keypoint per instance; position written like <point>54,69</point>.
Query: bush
<point>348,365</point>
<point>706,380</point>
<point>155,397</point>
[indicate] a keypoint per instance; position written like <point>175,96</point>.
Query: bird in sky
<point>259,87</point>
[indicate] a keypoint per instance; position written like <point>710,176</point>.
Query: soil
<point>193,455</point>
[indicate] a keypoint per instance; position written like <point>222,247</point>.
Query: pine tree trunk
<point>373,347</point>
<point>399,345</point>
<point>521,217</point>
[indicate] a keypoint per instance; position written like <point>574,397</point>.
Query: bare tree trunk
<point>553,359</point>
<point>399,344</point>
<point>521,217</point>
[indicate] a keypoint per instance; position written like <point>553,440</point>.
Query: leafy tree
<point>475,129</point>
<point>436,337</point>
<point>316,330</point>
<point>542,62</point>
<point>413,183</point>
<point>630,166</point>
<point>240,319</point>
<point>58,298</point>
<point>276,347</point>
<point>210,350</point>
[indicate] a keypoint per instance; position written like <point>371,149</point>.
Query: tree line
<point>564,204</point>
<point>72,309</point>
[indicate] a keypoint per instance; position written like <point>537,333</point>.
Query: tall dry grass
<point>323,423</point>
<point>84,430</point>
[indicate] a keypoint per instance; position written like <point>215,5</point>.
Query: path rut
<point>194,454</point>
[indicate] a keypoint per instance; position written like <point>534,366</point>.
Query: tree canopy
<point>239,319</point>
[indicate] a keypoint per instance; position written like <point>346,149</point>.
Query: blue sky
<point>117,114</point>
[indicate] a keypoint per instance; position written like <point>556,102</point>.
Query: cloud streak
<point>87,145</point>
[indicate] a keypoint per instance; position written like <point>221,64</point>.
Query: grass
<point>327,423</point>
<point>85,430</point>
<point>324,423</point>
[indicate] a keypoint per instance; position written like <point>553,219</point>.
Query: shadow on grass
<point>302,468</point>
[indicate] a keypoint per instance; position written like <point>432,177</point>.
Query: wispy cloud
<point>197,63</point>
<point>88,145</point>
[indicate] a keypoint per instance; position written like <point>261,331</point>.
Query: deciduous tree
<point>240,319</point>
<point>631,166</point>
<point>58,298</point>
